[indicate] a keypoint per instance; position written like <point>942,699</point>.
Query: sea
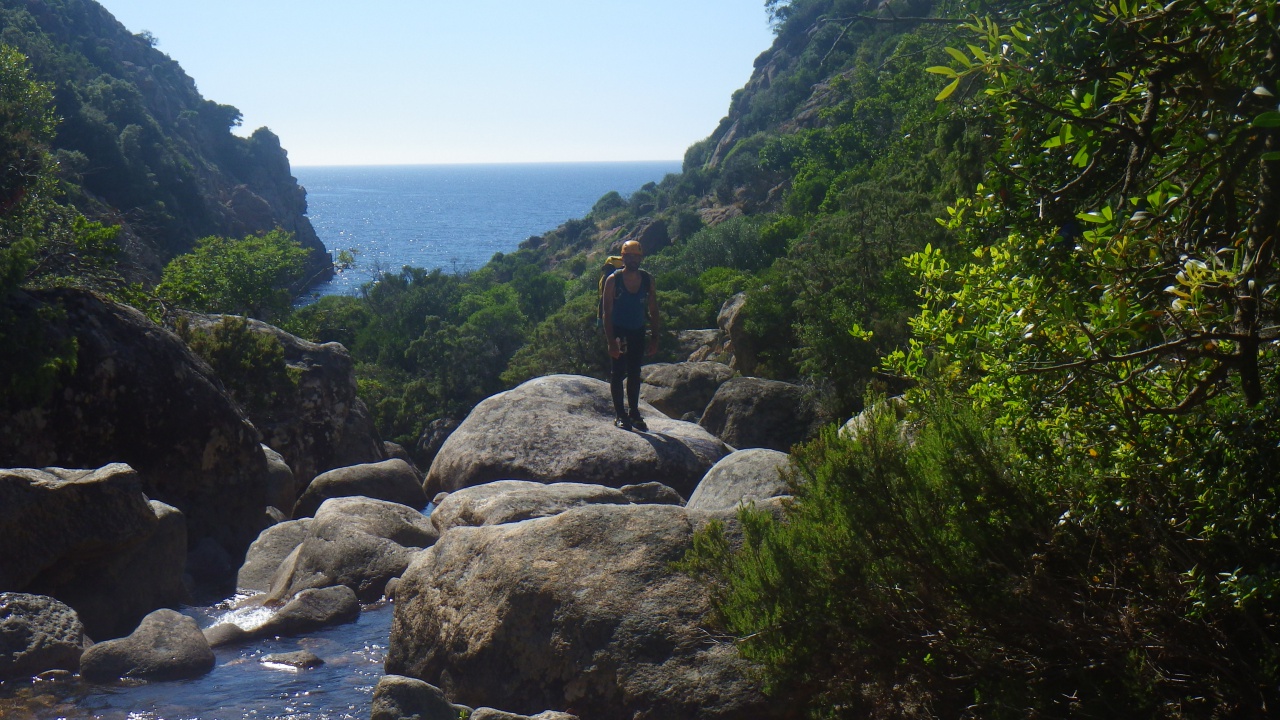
<point>453,217</point>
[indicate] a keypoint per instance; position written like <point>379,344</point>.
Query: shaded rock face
<point>432,439</point>
<point>114,593</point>
<point>741,476</point>
<point>651,494</point>
<point>267,553</point>
<point>139,396</point>
<point>38,633</point>
<point>505,501</point>
<point>578,612</point>
<point>491,714</point>
<point>282,487</point>
<point>323,425</point>
<point>391,480</point>
<point>166,646</point>
<point>357,542</point>
<point>753,412</point>
<point>652,234</point>
<point>679,388</point>
<point>91,539</point>
<point>559,428</point>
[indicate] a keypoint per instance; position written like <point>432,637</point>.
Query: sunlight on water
<point>240,686</point>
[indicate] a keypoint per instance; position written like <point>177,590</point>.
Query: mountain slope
<point>140,147</point>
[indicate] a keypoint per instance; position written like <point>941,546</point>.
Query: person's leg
<point>617,370</point>
<point>634,357</point>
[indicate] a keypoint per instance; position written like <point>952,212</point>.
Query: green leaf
<point>942,70</point>
<point>1271,156</point>
<point>1267,120</point>
<point>960,57</point>
<point>946,91</point>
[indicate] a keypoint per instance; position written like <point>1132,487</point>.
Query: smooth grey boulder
<point>312,609</point>
<point>559,428</point>
<point>396,697</point>
<point>391,480</point>
<point>753,473</point>
<point>354,541</point>
<point>581,611</point>
<point>652,493</point>
<point>282,487</point>
<point>301,659</point>
<point>166,646</point>
<point>38,633</point>
<point>491,714</point>
<point>268,552</point>
<point>505,501</point>
<point>679,388</point>
<point>749,412</point>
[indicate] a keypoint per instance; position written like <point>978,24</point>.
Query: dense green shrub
<point>250,364</point>
<point>256,275</point>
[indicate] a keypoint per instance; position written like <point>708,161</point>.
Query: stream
<point>240,685</point>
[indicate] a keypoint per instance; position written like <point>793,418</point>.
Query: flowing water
<point>240,686</point>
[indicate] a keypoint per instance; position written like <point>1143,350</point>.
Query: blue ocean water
<point>453,217</point>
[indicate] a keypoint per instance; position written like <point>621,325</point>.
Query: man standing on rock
<point>629,295</point>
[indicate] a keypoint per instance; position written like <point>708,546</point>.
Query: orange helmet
<point>632,247</point>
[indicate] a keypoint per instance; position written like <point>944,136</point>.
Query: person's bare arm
<point>610,340</point>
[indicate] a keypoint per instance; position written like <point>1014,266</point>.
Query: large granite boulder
<point>680,388</point>
<point>137,395</point>
<point>112,594</point>
<point>354,541</point>
<point>749,412</point>
<point>743,475</point>
<point>579,612</point>
<point>505,501</point>
<point>559,428</point>
<point>391,480</point>
<point>38,633</point>
<point>91,539</point>
<point>268,552</point>
<point>323,425</point>
<point>166,646</point>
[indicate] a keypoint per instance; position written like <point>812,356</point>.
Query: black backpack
<point>613,264</point>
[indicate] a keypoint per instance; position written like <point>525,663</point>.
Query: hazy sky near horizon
<point>421,81</point>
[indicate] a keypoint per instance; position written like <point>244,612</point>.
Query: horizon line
<point>484,162</point>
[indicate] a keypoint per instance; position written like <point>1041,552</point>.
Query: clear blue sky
<point>421,81</point>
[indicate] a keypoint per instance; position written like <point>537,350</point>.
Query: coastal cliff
<point>139,147</point>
